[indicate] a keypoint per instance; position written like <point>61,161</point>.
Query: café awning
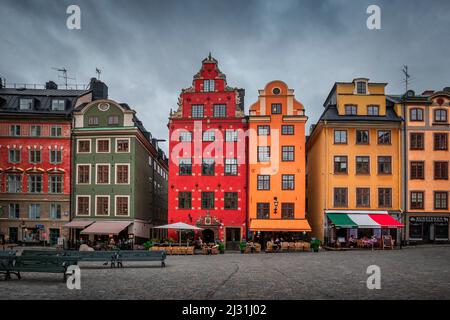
<point>363,219</point>
<point>341,220</point>
<point>106,227</point>
<point>280,225</point>
<point>386,221</point>
<point>78,224</point>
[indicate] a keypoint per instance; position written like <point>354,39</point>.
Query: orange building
<point>277,164</point>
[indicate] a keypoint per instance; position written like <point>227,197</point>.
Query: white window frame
<point>129,145</point>
<point>115,173</point>
<point>56,126</point>
<point>50,156</point>
<point>90,173</point>
<point>102,139</point>
<point>115,205</point>
<point>109,205</point>
<point>90,146</point>
<point>76,205</point>
<point>96,173</point>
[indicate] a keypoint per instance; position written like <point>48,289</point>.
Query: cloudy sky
<point>149,50</point>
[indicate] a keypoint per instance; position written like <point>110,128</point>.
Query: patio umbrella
<point>179,226</point>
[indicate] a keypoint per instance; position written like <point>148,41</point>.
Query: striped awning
<point>363,220</point>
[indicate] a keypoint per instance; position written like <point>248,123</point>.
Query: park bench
<point>100,256</point>
<point>135,255</point>
<point>41,253</point>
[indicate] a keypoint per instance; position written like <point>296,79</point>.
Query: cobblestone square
<point>410,273</point>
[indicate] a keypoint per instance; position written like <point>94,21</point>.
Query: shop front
<point>428,229</point>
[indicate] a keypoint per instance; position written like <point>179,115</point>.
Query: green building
<point>119,175</point>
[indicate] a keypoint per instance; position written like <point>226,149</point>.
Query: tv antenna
<point>64,75</point>
<point>98,71</point>
<point>407,76</point>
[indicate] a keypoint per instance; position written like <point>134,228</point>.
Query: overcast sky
<point>149,50</point>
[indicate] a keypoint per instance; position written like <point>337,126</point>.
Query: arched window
<point>440,115</point>
<point>416,114</point>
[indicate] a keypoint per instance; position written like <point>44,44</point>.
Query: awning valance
<point>106,227</point>
<point>78,224</point>
<point>280,225</point>
<point>363,220</point>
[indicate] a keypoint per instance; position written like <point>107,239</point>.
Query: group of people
<point>352,242</point>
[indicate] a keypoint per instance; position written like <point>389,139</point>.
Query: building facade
<point>426,163</point>
<point>35,161</point>
<point>277,168</point>
<point>208,171</point>
<point>119,175</point>
<point>354,164</point>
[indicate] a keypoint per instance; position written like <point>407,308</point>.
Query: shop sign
<point>39,226</point>
<point>429,219</point>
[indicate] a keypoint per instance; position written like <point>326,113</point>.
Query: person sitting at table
<point>277,244</point>
<point>351,242</point>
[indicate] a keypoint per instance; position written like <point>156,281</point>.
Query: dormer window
<point>25,104</point>
<point>58,105</point>
<point>361,87</point>
<point>440,115</point>
<point>416,114</point>
<point>373,110</point>
<point>351,110</point>
<point>209,86</point>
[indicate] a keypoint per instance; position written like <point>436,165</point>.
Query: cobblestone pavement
<point>412,273</point>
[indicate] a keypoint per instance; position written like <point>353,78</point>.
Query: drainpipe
<point>404,172</point>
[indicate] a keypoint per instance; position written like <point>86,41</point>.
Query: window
<point>55,183</point>
<point>231,136</point>
<point>35,183</point>
<point>276,108</point>
<point>14,130</point>
<point>384,165</point>
<point>363,197</point>
<point>417,199</point>
<point>83,205</point>
<point>209,135</point>
<point>14,183</point>
<point>416,114</point>
<point>441,170</point>
<point>361,87</point>
<point>35,131</point>
<point>362,136</point>
<point>56,131</point>
<point>35,156</point>
<point>185,167</point>
<point>287,153</point>
<point>384,197</point>
<point>25,104</point>
<point>340,136</point>
<point>84,146</point>
<point>287,210</point>
<point>417,170</point>
<point>197,111</point>
<point>264,154</point>
<point>55,211</point>
<point>440,115</point>
<point>263,182</point>
<point>123,145</point>
<point>113,120</point>
<point>14,155</point>
<point>351,110</point>
<point>384,137</point>
<point>208,85</point>
<point>58,105</point>
<point>441,200</point>
<point>102,207</point>
<point>122,206</point>
<point>263,130</point>
<point>122,173</point>
<point>416,141</point>
<point>231,166</point>
<point>362,165</point>
<point>102,145</point>
<point>373,110</point>
<point>287,130</point>
<point>340,164</point>
<point>14,211</point>
<point>262,210</point>
<point>207,200</point>
<point>220,111</point>
<point>231,201</point>
<point>340,197</point>
<point>208,165</point>
<point>93,121</point>
<point>34,211</point>
<point>184,200</point>
<point>287,182</point>
<point>185,136</point>
<point>84,173</point>
<point>102,173</point>
<point>440,141</point>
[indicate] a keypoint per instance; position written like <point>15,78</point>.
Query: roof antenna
<point>209,56</point>
<point>407,76</point>
<point>98,71</point>
<point>64,75</point>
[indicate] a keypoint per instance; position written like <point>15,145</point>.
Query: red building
<point>207,167</point>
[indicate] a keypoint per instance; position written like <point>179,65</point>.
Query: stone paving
<point>411,273</point>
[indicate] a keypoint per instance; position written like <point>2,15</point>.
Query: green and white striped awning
<point>363,220</point>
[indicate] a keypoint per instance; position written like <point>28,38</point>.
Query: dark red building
<point>207,166</point>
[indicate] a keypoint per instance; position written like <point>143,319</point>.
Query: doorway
<point>208,236</point>
<point>233,238</point>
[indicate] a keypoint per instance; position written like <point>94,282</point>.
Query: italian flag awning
<point>363,219</point>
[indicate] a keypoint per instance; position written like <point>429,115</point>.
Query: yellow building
<point>354,165</point>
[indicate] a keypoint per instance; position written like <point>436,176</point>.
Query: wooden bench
<point>135,255</point>
<point>96,256</point>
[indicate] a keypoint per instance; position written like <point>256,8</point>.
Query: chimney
<point>99,89</point>
<point>447,89</point>
<point>427,92</point>
<point>51,85</point>
<point>1,83</point>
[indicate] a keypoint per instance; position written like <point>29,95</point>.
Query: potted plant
<point>221,247</point>
<point>148,244</point>
<point>243,245</point>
